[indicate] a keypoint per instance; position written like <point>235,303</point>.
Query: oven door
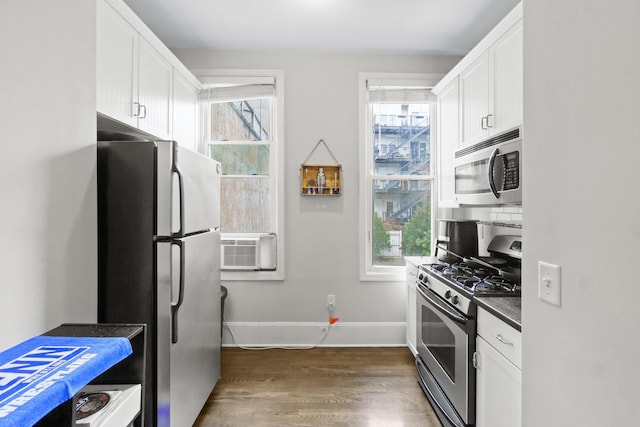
<point>490,176</point>
<point>445,343</point>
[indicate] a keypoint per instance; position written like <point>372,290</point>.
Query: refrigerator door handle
<point>180,231</point>
<point>176,306</point>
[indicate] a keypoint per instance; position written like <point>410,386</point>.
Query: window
<point>242,130</point>
<point>397,177</point>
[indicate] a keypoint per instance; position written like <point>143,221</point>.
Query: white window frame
<point>368,271</point>
<point>276,164</point>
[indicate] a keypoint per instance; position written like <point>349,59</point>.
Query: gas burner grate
<point>501,283</point>
<point>474,279</point>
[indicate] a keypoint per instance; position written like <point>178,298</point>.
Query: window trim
<point>276,161</point>
<point>369,272</point>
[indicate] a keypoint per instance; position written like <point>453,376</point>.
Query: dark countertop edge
<point>501,224</point>
<point>485,302</point>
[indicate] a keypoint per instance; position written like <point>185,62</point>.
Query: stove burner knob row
<point>454,299</point>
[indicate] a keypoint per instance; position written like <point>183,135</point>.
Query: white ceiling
<point>450,27</point>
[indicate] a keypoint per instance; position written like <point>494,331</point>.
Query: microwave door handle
<point>492,162</point>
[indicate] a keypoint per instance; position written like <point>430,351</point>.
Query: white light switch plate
<point>549,282</point>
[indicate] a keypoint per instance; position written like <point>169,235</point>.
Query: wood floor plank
<point>341,387</point>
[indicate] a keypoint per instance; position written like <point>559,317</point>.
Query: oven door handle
<point>434,299</point>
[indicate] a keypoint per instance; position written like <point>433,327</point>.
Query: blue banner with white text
<point>41,373</point>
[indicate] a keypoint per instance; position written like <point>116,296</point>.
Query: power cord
<point>332,320</point>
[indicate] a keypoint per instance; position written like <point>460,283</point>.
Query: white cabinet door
<point>498,388</point>
<point>134,81</point>
<point>448,142</point>
<point>474,100</point>
<point>185,104</point>
<point>155,80</point>
<point>506,71</point>
<point>117,65</point>
<point>491,89</point>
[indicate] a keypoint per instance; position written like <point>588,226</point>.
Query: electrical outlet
<point>331,301</point>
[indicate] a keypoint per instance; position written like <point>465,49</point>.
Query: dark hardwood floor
<point>368,387</point>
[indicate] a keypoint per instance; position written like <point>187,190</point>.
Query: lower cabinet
<point>412,273</point>
<point>498,378</point>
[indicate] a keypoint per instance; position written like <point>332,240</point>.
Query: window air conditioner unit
<point>249,253</point>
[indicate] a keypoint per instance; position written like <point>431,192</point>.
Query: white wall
<point>582,211</point>
<point>321,101</point>
<point>47,180</point>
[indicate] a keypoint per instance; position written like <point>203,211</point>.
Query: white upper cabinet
<point>447,142</point>
<point>474,99</point>
<point>133,79</point>
<point>505,86</point>
<point>136,75</point>
<point>155,83</point>
<point>117,66</point>
<point>185,102</point>
<point>491,89</point>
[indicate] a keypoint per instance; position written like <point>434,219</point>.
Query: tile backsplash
<point>509,214</point>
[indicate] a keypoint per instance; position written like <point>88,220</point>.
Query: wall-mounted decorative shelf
<point>321,179</point>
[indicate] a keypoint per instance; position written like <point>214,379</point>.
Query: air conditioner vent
<point>249,253</point>
<point>240,254</point>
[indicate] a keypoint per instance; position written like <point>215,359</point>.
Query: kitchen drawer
<point>504,338</point>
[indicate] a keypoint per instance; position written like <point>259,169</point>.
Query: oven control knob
<point>447,294</point>
<point>420,276</point>
<point>455,299</point>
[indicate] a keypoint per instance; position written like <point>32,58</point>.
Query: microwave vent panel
<point>498,139</point>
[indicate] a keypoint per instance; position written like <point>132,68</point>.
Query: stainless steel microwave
<point>489,173</point>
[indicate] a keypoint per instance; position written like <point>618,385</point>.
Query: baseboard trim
<point>305,334</point>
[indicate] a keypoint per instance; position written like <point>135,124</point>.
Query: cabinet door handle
<point>482,123</point>
<point>489,121</point>
<point>476,360</point>
<point>136,109</point>
<point>144,111</point>
<point>504,341</point>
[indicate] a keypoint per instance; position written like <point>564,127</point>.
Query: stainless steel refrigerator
<point>159,264</point>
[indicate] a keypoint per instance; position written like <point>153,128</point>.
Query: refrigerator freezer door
<point>196,189</point>
<point>195,355</point>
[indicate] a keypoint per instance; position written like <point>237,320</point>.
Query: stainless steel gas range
<point>446,324</point>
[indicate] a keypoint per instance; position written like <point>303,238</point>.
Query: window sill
<point>372,276</point>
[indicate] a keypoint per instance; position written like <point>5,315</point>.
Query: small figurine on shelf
<point>321,181</point>
<point>311,183</point>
